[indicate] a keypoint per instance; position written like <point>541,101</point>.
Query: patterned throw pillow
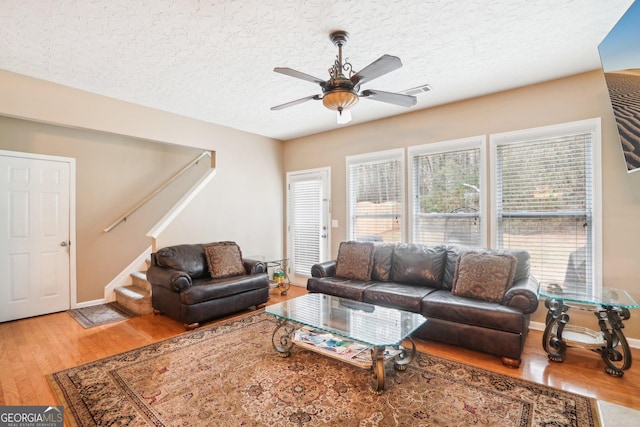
<point>224,259</point>
<point>485,276</point>
<point>355,260</point>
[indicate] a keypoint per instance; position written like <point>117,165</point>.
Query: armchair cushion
<point>355,260</point>
<point>224,259</point>
<point>485,276</point>
<point>186,258</point>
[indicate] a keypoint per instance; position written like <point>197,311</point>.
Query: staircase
<point>136,297</point>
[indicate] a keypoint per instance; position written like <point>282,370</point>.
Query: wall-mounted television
<point>620,58</point>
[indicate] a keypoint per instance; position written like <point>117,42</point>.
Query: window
<point>446,192</point>
<point>545,183</point>
<point>544,189</point>
<point>375,196</point>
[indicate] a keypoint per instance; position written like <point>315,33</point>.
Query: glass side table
<point>278,277</point>
<point>611,308</point>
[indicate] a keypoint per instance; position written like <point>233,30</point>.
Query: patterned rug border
<point>83,315</point>
<point>222,326</point>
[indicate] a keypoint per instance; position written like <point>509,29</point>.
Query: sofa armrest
<point>169,278</point>
<point>523,295</point>
<point>253,266</point>
<point>324,269</point>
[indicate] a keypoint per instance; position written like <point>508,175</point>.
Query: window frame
<point>375,157</point>
<point>588,126</point>
<point>474,142</point>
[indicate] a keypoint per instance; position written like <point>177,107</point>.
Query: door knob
<point>63,243</point>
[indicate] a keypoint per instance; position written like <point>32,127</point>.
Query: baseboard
<point>633,342</point>
<point>124,278</point>
<point>90,303</point>
<point>539,326</point>
<point>536,326</point>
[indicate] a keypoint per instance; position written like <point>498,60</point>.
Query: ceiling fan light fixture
<point>339,100</point>
<point>341,91</point>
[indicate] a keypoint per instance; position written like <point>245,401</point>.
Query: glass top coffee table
<point>362,334</point>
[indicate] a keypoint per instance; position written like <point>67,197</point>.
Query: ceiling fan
<point>340,92</point>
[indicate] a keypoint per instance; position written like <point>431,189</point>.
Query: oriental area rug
<point>228,374</point>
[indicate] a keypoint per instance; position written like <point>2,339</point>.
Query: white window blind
<point>544,203</point>
<point>375,197</point>
<point>446,197</point>
<point>305,221</point>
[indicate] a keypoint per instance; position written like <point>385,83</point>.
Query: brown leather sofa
<point>182,286</point>
<point>420,279</point>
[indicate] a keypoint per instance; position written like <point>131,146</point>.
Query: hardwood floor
<point>31,348</point>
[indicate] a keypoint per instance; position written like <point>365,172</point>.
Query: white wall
<point>570,99</point>
<point>123,152</point>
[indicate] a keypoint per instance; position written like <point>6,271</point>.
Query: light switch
<point>334,223</point>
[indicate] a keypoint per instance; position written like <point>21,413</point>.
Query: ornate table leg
<point>282,340</point>
<point>377,357</point>
<point>403,359</point>
<point>615,354</point>
<point>400,364</point>
<point>286,283</point>
<point>557,318</point>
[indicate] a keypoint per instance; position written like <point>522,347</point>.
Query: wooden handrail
<point>159,189</point>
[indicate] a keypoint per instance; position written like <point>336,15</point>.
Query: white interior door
<point>308,217</point>
<point>34,236</point>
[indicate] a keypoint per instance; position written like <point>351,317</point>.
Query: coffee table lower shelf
<point>283,339</point>
<point>359,362</point>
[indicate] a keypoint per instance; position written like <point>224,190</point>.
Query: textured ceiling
<point>213,60</point>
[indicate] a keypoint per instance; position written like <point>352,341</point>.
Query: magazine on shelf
<point>342,347</point>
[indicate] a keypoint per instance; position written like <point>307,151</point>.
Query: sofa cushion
<point>416,264</point>
<point>453,252</point>
<point>224,259</point>
<point>485,276</point>
<point>523,264</point>
<point>382,257</point>
<point>397,295</point>
<point>355,260</point>
<point>345,288</point>
<point>445,306</point>
<point>187,258</point>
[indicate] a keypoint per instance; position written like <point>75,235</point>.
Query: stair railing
<point>160,188</point>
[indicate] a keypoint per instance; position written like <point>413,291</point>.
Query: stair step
<point>139,279</point>
<point>121,307</point>
<point>134,299</point>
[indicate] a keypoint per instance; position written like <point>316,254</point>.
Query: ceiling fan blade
<point>390,97</point>
<point>298,74</point>
<point>381,66</point>
<point>296,102</point>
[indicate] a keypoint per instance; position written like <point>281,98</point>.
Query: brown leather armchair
<point>182,286</point>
